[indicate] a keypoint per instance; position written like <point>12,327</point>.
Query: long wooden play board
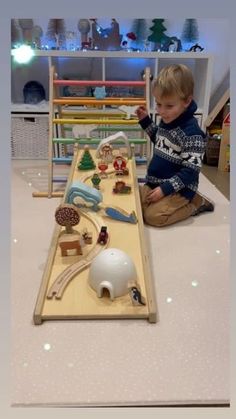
<point>78,300</point>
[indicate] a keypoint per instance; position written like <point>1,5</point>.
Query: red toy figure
<point>120,166</point>
<point>103,167</point>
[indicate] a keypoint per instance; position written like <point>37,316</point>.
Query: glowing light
<point>194,283</point>
<point>169,300</point>
<point>47,346</point>
<point>23,54</point>
<point>15,240</point>
<point>218,251</point>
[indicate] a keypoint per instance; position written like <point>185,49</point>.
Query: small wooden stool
<point>70,242</point>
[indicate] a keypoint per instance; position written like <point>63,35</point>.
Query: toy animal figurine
<point>196,48</point>
<point>136,297</point>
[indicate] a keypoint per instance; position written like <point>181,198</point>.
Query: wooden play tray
<point>77,300</point>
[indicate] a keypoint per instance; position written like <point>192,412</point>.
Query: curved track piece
<point>58,287</point>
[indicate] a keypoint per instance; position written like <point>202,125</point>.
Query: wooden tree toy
<point>67,215</point>
<point>56,32</point>
<point>158,36</point>
<point>86,162</point>
<point>190,31</point>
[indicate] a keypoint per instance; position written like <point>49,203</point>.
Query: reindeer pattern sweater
<point>177,156</point>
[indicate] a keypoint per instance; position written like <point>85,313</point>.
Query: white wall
<point>213,36</point>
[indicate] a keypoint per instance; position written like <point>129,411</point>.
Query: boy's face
<point>170,107</point>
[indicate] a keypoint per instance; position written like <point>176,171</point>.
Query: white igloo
<point>112,270</point>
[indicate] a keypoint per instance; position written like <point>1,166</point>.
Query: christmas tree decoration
<point>158,36</point>
<point>56,33</point>
<point>86,162</point>
<point>190,32</point>
<point>139,28</point>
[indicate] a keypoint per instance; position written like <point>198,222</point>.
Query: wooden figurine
<point>103,166</point>
<point>87,236</point>
<point>120,166</point>
<point>103,235</point>
<point>95,179</point>
<point>136,297</point>
<point>106,153</point>
<point>121,188</point>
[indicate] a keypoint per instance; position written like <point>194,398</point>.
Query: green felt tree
<point>139,28</point>
<point>190,31</point>
<point>158,36</point>
<point>86,162</point>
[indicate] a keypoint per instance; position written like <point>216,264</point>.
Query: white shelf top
<point>119,54</point>
<point>24,107</point>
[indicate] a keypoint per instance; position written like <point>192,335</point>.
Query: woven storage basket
<point>29,137</point>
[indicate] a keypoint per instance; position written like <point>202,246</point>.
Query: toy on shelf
<point>121,188</point>
<point>108,38</point>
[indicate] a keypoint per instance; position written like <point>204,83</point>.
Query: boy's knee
<point>157,220</point>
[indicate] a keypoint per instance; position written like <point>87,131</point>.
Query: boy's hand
<point>141,112</point>
<point>155,195</point>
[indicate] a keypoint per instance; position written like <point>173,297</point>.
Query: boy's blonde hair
<point>174,79</point>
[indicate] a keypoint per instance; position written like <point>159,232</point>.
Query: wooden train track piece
<point>58,287</point>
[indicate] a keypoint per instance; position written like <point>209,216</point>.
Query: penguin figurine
<point>136,297</point>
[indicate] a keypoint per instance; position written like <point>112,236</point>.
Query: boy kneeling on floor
<point>170,192</point>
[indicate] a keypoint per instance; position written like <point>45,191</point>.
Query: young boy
<point>170,193</point>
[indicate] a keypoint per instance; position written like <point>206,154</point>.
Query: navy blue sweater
<point>177,157</point>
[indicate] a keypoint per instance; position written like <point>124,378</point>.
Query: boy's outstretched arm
<point>141,112</point>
